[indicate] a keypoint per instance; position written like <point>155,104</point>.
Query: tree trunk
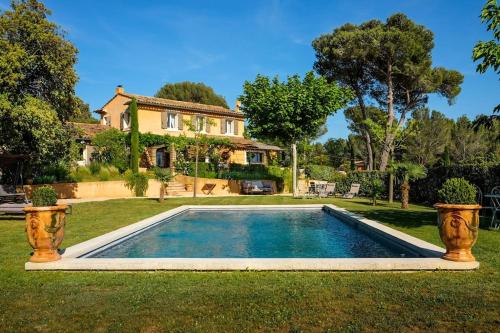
<point>391,188</point>
<point>405,194</point>
<point>366,133</point>
<point>294,169</point>
<point>162,192</point>
<point>195,171</point>
<point>389,137</point>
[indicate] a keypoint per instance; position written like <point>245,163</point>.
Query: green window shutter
<point>164,116</point>
<point>180,121</point>
<point>122,117</point>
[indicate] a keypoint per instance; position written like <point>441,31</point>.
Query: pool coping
<point>73,257</point>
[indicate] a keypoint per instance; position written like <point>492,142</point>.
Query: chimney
<point>119,89</point>
<point>237,106</point>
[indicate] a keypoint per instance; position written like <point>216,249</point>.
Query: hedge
<point>343,181</point>
<point>365,179</point>
<point>485,176</point>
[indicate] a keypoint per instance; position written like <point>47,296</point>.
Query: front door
<point>162,158</point>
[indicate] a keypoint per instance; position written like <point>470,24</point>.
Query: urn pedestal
<point>458,228</point>
<point>45,231</point>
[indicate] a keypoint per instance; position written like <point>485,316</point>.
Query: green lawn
<point>244,301</point>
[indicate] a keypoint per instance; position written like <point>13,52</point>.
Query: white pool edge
<point>72,259</point>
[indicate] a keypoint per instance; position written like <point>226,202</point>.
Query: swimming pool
<point>291,237</point>
<point>278,233</point>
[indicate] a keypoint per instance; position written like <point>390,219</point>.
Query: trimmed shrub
<point>457,191</point>
<point>44,196</point>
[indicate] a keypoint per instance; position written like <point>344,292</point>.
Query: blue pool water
<point>253,234</point>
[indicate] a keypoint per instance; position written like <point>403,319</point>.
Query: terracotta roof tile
<point>155,101</point>
<point>90,130</point>
<point>243,143</point>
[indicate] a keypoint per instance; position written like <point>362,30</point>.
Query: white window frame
<point>125,123</point>
<point>229,126</point>
<point>175,118</point>
<point>203,127</point>
<point>107,120</point>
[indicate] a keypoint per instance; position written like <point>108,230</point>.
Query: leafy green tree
<point>110,147</point>
<point>488,54</point>
<point>467,144</point>
<point>337,151</point>
<point>431,138</point>
<point>402,65</point>
<point>394,63</point>
<point>342,56</point>
<point>31,127</point>
<point>290,111</point>
<point>407,172</point>
<point>191,92</point>
<point>134,137</point>
<point>35,58</point>
<point>357,124</point>
<point>201,142</point>
<point>82,113</point>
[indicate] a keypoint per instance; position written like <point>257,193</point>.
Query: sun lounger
<point>256,187</point>
<point>9,194</point>
<point>326,190</point>
<point>354,191</point>
<point>13,208</point>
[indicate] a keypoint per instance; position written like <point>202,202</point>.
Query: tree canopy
<point>290,111</point>
<point>191,92</point>
<point>35,58</point>
<point>390,63</point>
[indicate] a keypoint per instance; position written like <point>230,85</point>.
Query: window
<point>254,157</point>
<point>125,123</point>
<point>200,123</point>
<point>229,127</point>
<point>172,121</point>
<point>107,121</point>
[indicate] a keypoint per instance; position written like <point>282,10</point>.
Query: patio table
<point>495,207</point>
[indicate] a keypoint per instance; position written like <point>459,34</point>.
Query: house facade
<point>169,117</point>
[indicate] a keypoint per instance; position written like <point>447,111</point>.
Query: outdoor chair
<point>354,191</point>
<point>208,188</point>
<point>326,190</point>
<point>494,197</point>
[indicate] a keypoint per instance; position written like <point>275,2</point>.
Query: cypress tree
<point>134,137</point>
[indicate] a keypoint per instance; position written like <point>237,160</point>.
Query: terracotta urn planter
<point>45,231</point>
<point>458,228</point>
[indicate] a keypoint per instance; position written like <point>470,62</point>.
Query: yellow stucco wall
<point>114,108</point>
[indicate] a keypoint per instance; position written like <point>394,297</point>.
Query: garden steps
<point>177,189</point>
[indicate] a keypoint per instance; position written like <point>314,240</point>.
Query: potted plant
<point>458,218</point>
<point>45,222</point>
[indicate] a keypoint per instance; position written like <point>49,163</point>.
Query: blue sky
<point>143,45</point>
